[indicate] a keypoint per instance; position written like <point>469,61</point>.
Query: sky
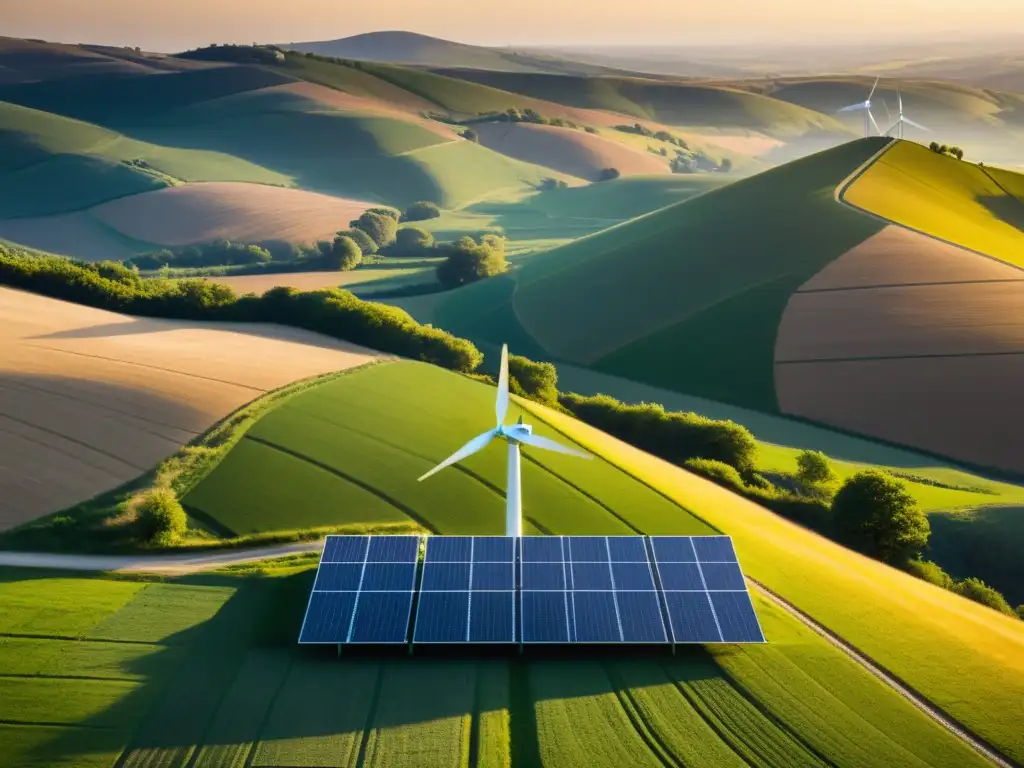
<point>180,24</point>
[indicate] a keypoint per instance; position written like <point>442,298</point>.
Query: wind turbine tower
<point>901,120</point>
<point>515,435</point>
<point>865,105</point>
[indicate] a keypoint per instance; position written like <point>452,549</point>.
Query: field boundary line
<point>840,197</point>
<point>980,745</point>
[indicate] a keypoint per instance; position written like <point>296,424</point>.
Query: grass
<point>947,198</point>
<point>349,440</point>
<point>917,631</point>
<point>665,299</point>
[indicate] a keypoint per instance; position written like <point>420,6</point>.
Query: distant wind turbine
<point>514,435</point>
<point>865,105</point>
<point>900,120</point>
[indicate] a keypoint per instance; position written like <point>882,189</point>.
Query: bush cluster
<point>942,149</point>
<point>162,521</point>
<point>467,260</point>
<point>333,312</point>
<point>217,253</point>
<point>673,436</point>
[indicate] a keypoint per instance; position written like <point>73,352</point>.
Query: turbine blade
<point>899,96</point>
<point>908,121</point>
<point>501,404</point>
<point>874,123</point>
<point>873,88</point>
<point>550,445</point>
<point>476,444</point>
<point>888,114</point>
<point>852,107</point>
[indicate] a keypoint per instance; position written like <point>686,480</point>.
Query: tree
<point>875,515</point>
<point>470,135</point>
<point>468,261</point>
<point>591,129</point>
<point>162,521</point>
<point>725,166</point>
<point>412,241</point>
<point>379,227</point>
<point>343,254</point>
<point>363,240</point>
<point>607,174</point>
<point>386,212</point>
<point>421,211</point>
<point>814,468</point>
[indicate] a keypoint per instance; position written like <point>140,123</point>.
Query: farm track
<point>192,562</point>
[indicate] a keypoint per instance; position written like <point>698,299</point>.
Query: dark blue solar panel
<point>723,576</point>
<point>449,549</point>
<point>494,549</point>
<point>492,617</point>
<point>338,577</point>
<point>591,576</point>
<point>691,617</point>
<point>493,576</point>
<point>736,617</point>
<point>673,549</point>
<point>345,549</point>
<point>328,617</point>
<point>544,618</point>
<point>627,549</point>
<point>633,576</point>
<point>640,616</point>
<point>714,549</point>
<point>596,619</point>
<point>543,576</point>
<point>394,549</point>
<point>445,576</point>
<point>680,576</point>
<point>382,617</point>
<point>593,549</point>
<point>541,549</point>
<point>389,577</point>
<point>442,617</point>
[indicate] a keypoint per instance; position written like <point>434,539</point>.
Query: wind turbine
<point>900,120</point>
<point>514,435</point>
<point>865,105</point>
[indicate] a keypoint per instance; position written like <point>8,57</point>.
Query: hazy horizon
<point>193,23</point>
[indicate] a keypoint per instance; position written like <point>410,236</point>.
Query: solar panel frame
<point>341,550</point>
<point>590,549</point>
<point>711,546</point>
<point>443,557</point>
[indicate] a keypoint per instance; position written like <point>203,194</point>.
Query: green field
<point>947,198</point>
<point>667,298</point>
<point>225,685</point>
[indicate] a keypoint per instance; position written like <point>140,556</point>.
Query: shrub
<point>537,381</point>
<point>591,129</point>
<point>673,436</point>
<point>875,515</point>
<point>366,244</point>
<point>1020,612</point>
<point>717,472</point>
<point>814,468</point>
<point>980,592</point>
<point>343,254</point>
<point>162,521</point>
<point>607,174</point>
<point>380,227</point>
<point>470,135</point>
<point>421,211</point>
<point>549,183</point>
<point>930,572</point>
<point>412,241</point>
<point>468,261</point>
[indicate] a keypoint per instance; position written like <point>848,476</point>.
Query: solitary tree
<point>412,241</point>
<point>379,227</point>
<point>814,468</point>
<point>469,261</point>
<point>343,254</point>
<point>421,211</point>
<point>875,515</point>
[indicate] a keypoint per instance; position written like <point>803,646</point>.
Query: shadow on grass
<point>1006,208</point>
<point>243,690</point>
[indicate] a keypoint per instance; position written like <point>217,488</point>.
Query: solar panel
<point>589,589</point>
<point>705,594</point>
<point>363,590</point>
<point>468,591</point>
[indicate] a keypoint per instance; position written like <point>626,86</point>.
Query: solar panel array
<point>531,590</point>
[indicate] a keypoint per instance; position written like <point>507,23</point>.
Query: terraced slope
<point>947,198</point>
<point>90,399</point>
<point>667,298</point>
<point>206,671</point>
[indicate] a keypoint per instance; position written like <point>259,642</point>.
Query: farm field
<point>913,629</point>
<point>311,281</point>
<point>221,683</point>
<point>944,197</point>
<point>91,399</point>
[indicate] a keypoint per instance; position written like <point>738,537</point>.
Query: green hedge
<point>333,312</point>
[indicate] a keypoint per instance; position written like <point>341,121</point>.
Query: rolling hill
<point>364,437</point>
<point>90,399</point>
